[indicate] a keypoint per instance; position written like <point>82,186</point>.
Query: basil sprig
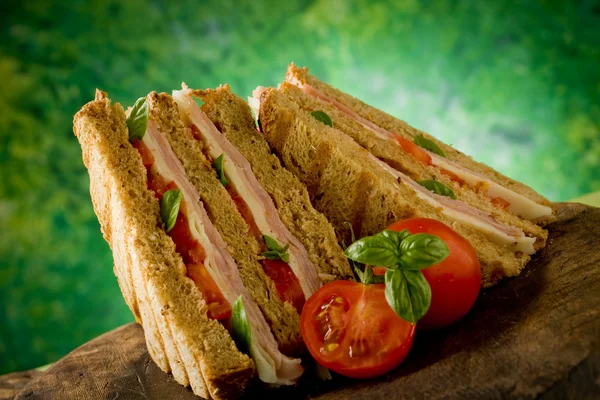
<point>218,164</point>
<point>169,207</point>
<point>427,144</point>
<point>276,252</point>
<point>240,326</point>
<point>404,256</point>
<point>364,272</point>
<point>137,122</point>
<point>321,116</point>
<point>437,187</point>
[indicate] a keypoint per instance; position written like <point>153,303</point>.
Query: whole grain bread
<point>180,337</point>
<point>243,247</point>
<point>400,127</point>
<point>347,185</point>
<point>404,162</point>
<point>232,116</point>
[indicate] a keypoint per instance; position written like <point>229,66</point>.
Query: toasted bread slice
<point>347,184</point>
<point>232,116</point>
<point>180,337</point>
<point>404,162</point>
<point>301,76</point>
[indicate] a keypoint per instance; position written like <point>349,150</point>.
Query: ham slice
<point>519,204</point>
<point>239,173</point>
<point>272,366</point>
<point>462,212</point>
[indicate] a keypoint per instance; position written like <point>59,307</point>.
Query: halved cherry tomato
<point>455,281</point>
<point>285,281</point>
<point>417,152</point>
<point>350,328</point>
<point>500,202</point>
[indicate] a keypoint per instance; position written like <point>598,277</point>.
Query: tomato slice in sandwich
<point>413,149</point>
<point>349,328</point>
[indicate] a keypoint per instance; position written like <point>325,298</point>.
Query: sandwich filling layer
<point>460,211</point>
<point>208,261</point>
<point>499,195</point>
<point>254,203</point>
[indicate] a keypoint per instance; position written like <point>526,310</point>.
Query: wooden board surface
<point>535,336</point>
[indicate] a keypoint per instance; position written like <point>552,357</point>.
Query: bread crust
<point>393,124</point>
<point>179,335</point>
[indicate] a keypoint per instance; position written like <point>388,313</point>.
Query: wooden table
<point>534,336</point>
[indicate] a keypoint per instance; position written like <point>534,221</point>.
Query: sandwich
<point>441,160</point>
<point>215,250</point>
<point>364,171</point>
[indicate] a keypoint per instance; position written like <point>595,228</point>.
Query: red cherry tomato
<point>454,282</point>
<point>417,152</point>
<point>350,328</point>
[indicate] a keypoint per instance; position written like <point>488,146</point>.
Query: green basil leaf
<point>276,252</point>
<point>137,122</point>
<point>421,251</point>
<point>271,243</point>
<point>218,165</point>
<point>169,207</point>
<point>408,293</point>
<point>427,144</point>
<point>242,335</point>
<point>276,255</point>
<point>395,237</point>
<point>438,187</point>
<point>374,250</point>
<point>321,116</point>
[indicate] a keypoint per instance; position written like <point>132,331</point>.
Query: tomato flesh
<point>191,251</point>
<point>453,176</point>
<point>195,132</point>
<point>500,202</point>
<point>417,152</point>
<point>454,282</point>
<point>285,281</point>
<point>349,328</point>
<point>147,157</point>
<point>218,307</point>
<point>245,212</point>
<point>287,284</point>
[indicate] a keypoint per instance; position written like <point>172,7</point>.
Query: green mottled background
<point>517,84</point>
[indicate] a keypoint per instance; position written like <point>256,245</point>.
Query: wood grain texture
<point>11,384</point>
<point>535,336</point>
